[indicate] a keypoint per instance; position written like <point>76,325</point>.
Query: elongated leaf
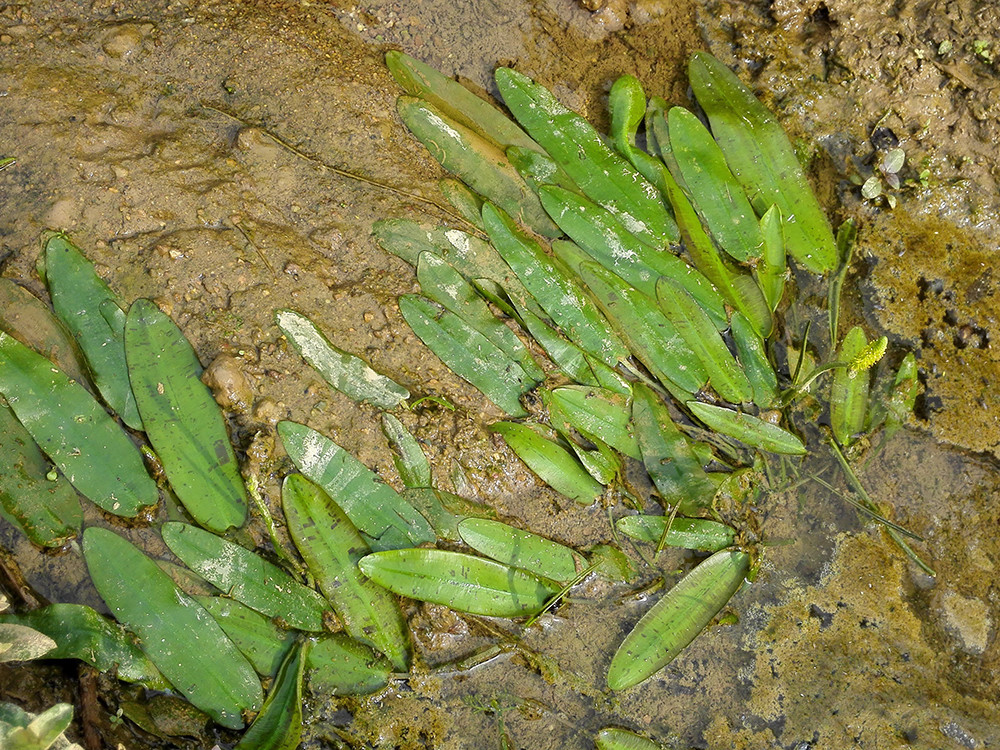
<point>460,581</point>
<point>538,169</point>
<point>80,633</point>
<point>603,176</point>
<point>607,241</point>
<point>613,738</point>
<point>714,192</point>
<point>32,322</point>
<point>481,165</point>
<point>182,420</point>
<point>849,390</point>
<point>627,107</point>
<point>339,665</point>
<point>522,549</point>
<point>598,413</point>
<point>676,620</point>
<point>753,358</point>
<point>468,353</point>
<point>74,431</point>
<point>379,513</point>
<point>443,284</point>
<point>77,294</point>
<point>262,642</point>
<point>344,372</point>
<point>649,335</point>
<point>174,630</point>
<point>245,576</point>
<point>695,327</point>
<point>46,509</point>
<point>42,731</point>
<point>550,461</point>
<point>445,510</point>
<point>762,160</point>
<point>456,101</point>
<point>668,457</point>
<point>559,294</point>
<point>690,533</point>
<point>747,428</point>
<point>331,547</point>
<point>771,269</point>
<point>278,726</point>
<point>411,463</point>
<point>23,643</point>
<point>464,200</point>
<point>903,396</point>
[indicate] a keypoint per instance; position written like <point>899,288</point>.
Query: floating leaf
<point>763,160</point>
<point>468,353</point>
<point>45,508</point>
<point>748,429</point>
<point>522,549</point>
<point>689,533</point>
<point>603,176</point>
<point>344,372</point>
<point>613,738</point>
<point>411,463</point>
<point>77,295</point>
<point>550,461</point>
<point>182,420</point>
<point>245,576</point>
<point>480,164</point>
<point>174,630</point>
<point>379,513</point>
<point>466,202</point>
<point>676,620</point>
<point>263,643</point>
<point>668,457</point>
<point>695,327</point>
<point>462,582</point>
<point>74,431</point>
<point>78,632</point>
<point>771,269</point>
<point>445,510</point>
<point>331,547</point>
<point>278,726</point>
<point>598,413</point>
<point>849,390</point>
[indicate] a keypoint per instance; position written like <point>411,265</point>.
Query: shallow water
<point>192,150</point>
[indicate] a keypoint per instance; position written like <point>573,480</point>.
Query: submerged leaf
<point>278,726</point>
<point>521,549</point>
<point>748,429</point>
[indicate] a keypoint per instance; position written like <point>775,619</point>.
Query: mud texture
<point>196,151</point>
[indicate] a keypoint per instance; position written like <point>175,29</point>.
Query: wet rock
<point>123,41</point>
<point>229,383</point>
<point>967,620</point>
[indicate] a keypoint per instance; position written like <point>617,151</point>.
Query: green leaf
<point>465,201</point>
<point>522,549</point>
<point>80,633</point>
<point>46,510</point>
<point>77,294</point>
<point>173,629</point>
<point>480,164</point>
<point>462,582</point>
<point>689,533</point>
<point>446,286</point>
<point>42,731</point>
<point>344,372</point>
<point>468,353</point>
<point>331,547</point>
<point>748,429</point>
<point>74,431</point>
<point>558,293</point>
<point>849,390</point>
<point>649,335</point>
<point>607,241</point>
<point>411,463</point>
<point>714,192</point>
<point>598,413</point>
<point>695,327</point>
<point>278,726</point>
<point>379,513</point>
<point>677,619</point>
<point>339,665</point>
<point>23,643</point>
<point>245,576</point>
<point>612,738</point>
<point>763,160</point>
<point>771,270</point>
<point>551,462</point>
<point>667,455</point>
<point>603,176</point>
<point>182,420</point>
<point>456,101</point>
<point>445,510</point>
<point>751,350</point>
<point>263,643</point>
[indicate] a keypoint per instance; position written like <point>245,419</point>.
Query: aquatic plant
<point>654,281</point>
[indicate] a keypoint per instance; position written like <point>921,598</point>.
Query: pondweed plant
<point>652,279</point>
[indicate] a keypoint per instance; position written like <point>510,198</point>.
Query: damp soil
<point>197,152</point>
